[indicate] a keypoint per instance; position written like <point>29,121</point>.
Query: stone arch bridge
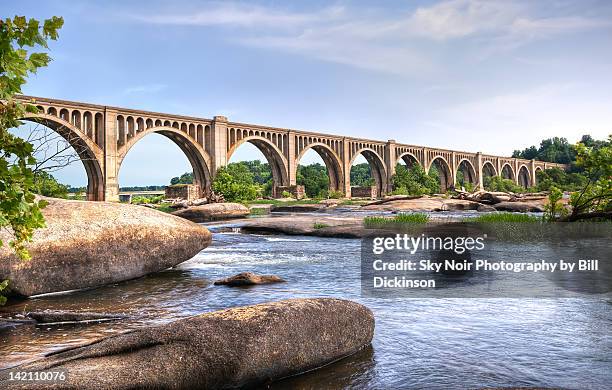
<point>103,135</point>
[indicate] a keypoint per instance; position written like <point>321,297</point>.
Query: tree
<point>361,175</point>
<point>499,184</point>
<point>594,200</point>
<point>45,184</point>
<point>414,181</point>
<point>315,180</point>
<point>235,182</point>
<point>555,149</point>
<point>19,209</point>
<point>185,178</point>
<point>556,177</point>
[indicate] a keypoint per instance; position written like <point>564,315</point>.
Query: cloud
<point>405,42</point>
<point>144,88</point>
<point>461,18</point>
<point>242,15</point>
<point>524,118</point>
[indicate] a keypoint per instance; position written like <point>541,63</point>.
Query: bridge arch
<point>198,158</point>
<point>377,167</point>
<point>444,172</point>
<point>276,159</point>
<point>409,159</point>
<point>89,152</point>
<point>469,172</point>
<point>507,172</point>
<point>524,177</point>
<point>332,162</point>
<point>488,169</point>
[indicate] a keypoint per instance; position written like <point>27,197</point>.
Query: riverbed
<point>428,343</point>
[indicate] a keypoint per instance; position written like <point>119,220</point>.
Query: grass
<point>319,225</point>
<point>396,221</point>
<point>504,217</point>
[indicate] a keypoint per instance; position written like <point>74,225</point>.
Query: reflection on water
<point>418,343</point>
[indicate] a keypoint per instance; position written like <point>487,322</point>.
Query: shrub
<point>335,194</point>
<point>286,194</point>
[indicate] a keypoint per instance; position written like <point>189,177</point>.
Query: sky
<point>489,76</point>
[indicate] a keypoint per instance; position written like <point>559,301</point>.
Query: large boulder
<point>243,346</point>
<point>213,212</point>
<point>248,279</point>
<point>88,244</point>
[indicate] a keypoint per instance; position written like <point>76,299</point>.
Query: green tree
<point>361,175</point>
<point>555,149</point>
<point>499,184</point>
<point>594,200</point>
<point>556,177</point>
<point>554,209</point>
<point>235,182</point>
<point>261,171</point>
<point>19,210</point>
<point>185,178</point>
<point>315,180</point>
<point>414,181</point>
<point>45,184</point>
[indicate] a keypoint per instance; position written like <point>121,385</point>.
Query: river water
<point>420,343</point>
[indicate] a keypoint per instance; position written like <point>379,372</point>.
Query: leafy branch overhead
<point>19,210</point>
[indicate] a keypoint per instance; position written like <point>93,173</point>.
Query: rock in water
<point>248,279</point>
<point>88,244</point>
<point>213,212</point>
<point>518,207</point>
<point>224,349</point>
<point>50,316</point>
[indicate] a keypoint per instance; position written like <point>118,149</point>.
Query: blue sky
<point>490,76</point>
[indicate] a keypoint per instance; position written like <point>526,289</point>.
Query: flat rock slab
<point>309,225</point>
<point>248,279</point>
<point>89,244</point>
<point>519,207</point>
<point>301,208</point>
<point>423,204</point>
<point>243,346</point>
<point>213,212</point>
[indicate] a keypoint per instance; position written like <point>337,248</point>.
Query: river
<point>418,343</point>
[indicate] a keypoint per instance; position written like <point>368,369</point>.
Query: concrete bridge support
<point>103,135</point>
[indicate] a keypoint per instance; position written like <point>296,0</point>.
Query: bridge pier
<point>111,166</point>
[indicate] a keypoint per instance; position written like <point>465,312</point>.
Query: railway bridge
<point>103,135</point>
